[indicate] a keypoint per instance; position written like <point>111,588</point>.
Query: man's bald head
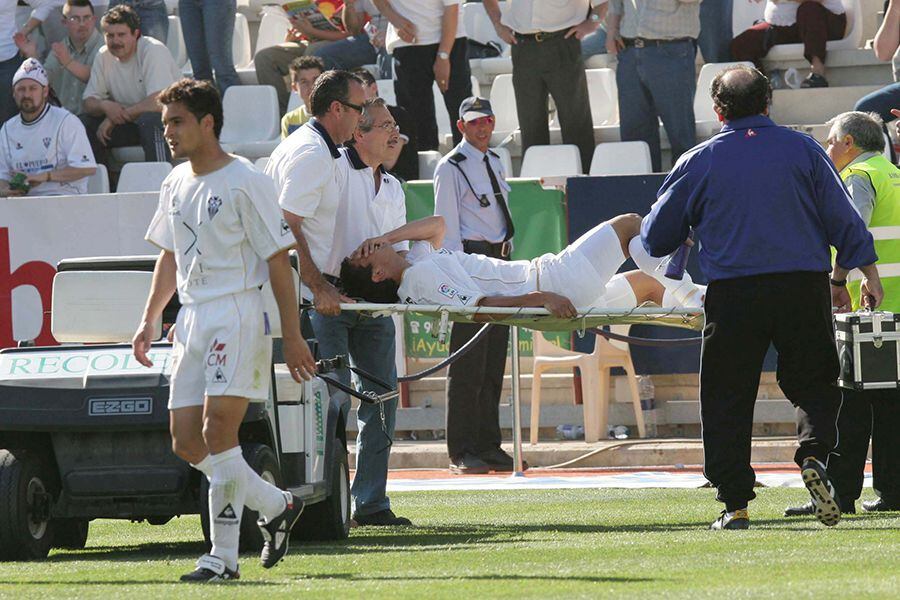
<point>739,92</point>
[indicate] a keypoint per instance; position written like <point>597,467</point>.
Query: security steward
<point>470,192</point>
<point>766,204</point>
<point>855,145</point>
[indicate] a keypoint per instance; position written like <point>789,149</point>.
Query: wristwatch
<point>838,282</point>
<point>595,18</point>
<point>444,55</point>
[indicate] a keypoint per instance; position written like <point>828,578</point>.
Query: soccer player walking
<point>222,236</point>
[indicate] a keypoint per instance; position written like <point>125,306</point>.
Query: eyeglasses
<point>389,126</point>
<point>358,108</point>
<point>74,19</point>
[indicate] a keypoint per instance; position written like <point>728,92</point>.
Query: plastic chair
<point>595,382</point>
<point>386,91</point>
<point>478,25</point>
<point>240,42</point>
<point>428,160</point>
<point>250,133</point>
<point>560,160</point>
<point>98,183</point>
<point>745,13</point>
<point>272,28</point>
<point>707,122</point>
<point>505,159</point>
<point>503,102</point>
<point>143,176</point>
<point>175,42</point>
<point>621,158</point>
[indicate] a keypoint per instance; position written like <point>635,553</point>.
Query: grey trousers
<point>272,67</point>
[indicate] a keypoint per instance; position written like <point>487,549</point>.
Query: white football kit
<point>55,140</point>
<point>222,228</point>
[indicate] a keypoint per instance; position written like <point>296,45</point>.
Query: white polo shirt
<point>364,213</point>
<point>304,167</point>
<point>222,227</point>
<point>531,16</point>
<point>427,16</point>
<point>55,140</point>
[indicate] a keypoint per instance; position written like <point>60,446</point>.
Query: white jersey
<point>222,227</point>
<point>55,140</point>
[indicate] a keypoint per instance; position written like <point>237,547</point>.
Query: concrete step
<point>843,67</point>
<point>816,105</point>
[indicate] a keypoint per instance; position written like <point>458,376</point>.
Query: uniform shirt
<point>458,279</point>
<point>454,200</point>
<point>363,213</point>
<point>861,191</point>
<point>304,167</point>
<point>222,227</point>
<point>783,13</point>
<point>291,121</point>
<point>55,140</point>
<point>427,16</point>
<point>148,71</point>
<point>69,89</point>
<point>658,19</point>
<point>762,199</point>
<point>531,16</point>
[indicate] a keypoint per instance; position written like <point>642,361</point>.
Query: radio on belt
<point>868,345</point>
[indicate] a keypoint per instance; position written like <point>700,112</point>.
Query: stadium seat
<point>603,96</point>
<point>261,163</point>
<point>294,101</point>
<point>240,42</point>
<point>595,382</point>
<point>251,120</point>
<point>503,102</point>
<point>478,25</point>
<point>386,91</point>
<point>505,159</point>
<point>171,6</point>
<point>621,158</point>
<point>175,42</point>
<point>560,160</point>
<point>707,121</point>
<point>127,154</point>
<point>272,29</point>
<point>98,183</point>
<point>428,160</point>
<point>143,176</point>
<point>446,122</point>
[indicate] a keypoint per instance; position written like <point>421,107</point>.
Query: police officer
<point>471,193</point>
<point>855,145</point>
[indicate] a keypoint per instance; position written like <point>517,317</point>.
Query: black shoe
<point>800,511</point>
<point>738,519</point>
<point>382,518</point>
<point>210,569</point>
<point>277,532</point>
<point>880,505</point>
<point>814,81</point>
<point>824,498</point>
<point>498,460</point>
<point>468,464</point>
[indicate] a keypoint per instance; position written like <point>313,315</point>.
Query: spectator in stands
<point>355,50</point>
<point>715,30</point>
<point>153,14</point>
<point>887,47</point>
<point>428,43</point>
<point>810,22</point>
<point>10,57</point>
<point>208,27</point>
<point>403,157</point>
<point>44,145</point>
<point>656,76</point>
<point>69,64</point>
<point>304,71</point>
<point>546,54</point>
<point>305,37</point>
<point>120,98</point>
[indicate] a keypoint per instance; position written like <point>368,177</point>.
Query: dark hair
<point>744,94</point>
<point>306,62</point>
<point>201,98</point>
<point>81,4</point>
<point>356,281</point>
<point>122,14</point>
<point>330,86</point>
<point>364,75</point>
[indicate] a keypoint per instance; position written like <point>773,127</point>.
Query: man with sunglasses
<point>471,193</point>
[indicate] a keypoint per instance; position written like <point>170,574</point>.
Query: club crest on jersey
<point>446,290</point>
<point>212,206</point>
<point>46,141</point>
<point>18,145</point>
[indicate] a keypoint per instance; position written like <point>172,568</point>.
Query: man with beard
<point>45,144</point>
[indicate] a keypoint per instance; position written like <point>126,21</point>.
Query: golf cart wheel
<point>71,534</point>
<point>26,495</point>
<point>329,519</point>
<point>262,460</point>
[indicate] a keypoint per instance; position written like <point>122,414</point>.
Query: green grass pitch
<point>508,544</point>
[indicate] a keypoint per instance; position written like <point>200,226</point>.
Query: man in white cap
<point>44,150</point>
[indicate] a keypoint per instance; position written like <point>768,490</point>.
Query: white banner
<point>37,232</point>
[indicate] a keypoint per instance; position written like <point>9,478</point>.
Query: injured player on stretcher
<point>583,275</point>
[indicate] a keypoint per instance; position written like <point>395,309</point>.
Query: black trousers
<point>474,384</point>
<point>414,71</point>
<point>146,131</point>
<point>553,67</point>
<point>792,311</point>
<point>875,414</point>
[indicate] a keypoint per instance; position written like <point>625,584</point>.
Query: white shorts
<point>221,348</point>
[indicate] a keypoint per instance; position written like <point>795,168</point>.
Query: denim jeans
<point>881,102</point>
<point>208,27</point>
<point>8,68</point>
<point>348,53</point>
<point>370,344</point>
<point>593,44</point>
<point>658,82</point>
<point>715,30</point>
<point>153,14</point>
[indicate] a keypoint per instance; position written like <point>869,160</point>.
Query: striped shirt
<point>657,19</point>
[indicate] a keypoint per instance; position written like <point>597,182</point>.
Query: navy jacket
<point>762,199</point>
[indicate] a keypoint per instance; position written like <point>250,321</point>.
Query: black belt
<point>643,42</point>
<point>494,250</point>
<point>335,281</point>
<point>540,36</point>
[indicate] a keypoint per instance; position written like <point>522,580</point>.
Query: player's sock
<point>204,466</point>
<point>227,490</point>
<point>263,497</point>
<point>619,294</point>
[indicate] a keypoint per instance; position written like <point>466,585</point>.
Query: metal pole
<point>516,405</point>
